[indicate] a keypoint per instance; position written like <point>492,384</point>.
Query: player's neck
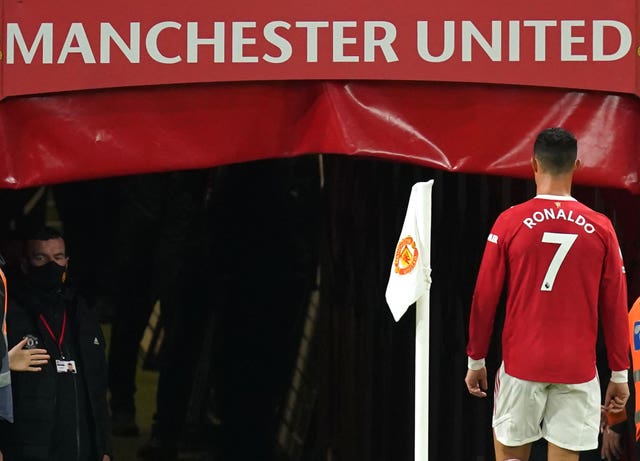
<point>553,185</point>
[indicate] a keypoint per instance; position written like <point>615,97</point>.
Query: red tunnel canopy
<point>471,128</point>
<point>128,87</point>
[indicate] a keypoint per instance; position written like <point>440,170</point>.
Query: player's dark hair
<point>556,149</point>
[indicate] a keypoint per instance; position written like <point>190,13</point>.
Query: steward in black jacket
<point>60,412</point>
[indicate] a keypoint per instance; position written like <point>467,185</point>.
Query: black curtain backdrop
<point>363,361</point>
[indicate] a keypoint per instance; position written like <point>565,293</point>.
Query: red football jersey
<point>563,270</point>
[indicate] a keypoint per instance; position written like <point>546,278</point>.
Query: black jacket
<point>35,393</point>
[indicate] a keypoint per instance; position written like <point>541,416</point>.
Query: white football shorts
<point>567,415</point>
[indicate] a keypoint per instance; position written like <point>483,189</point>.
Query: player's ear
<point>534,164</point>
<point>577,165</point>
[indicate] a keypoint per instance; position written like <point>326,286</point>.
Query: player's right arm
<point>486,296</point>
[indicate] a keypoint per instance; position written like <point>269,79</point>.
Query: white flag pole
<point>421,430</point>
<point>422,380</point>
<point>409,282</point>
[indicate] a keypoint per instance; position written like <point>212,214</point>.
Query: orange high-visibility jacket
<point>3,280</point>
<point>634,342</point>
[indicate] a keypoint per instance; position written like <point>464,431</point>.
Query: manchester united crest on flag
<point>406,256</point>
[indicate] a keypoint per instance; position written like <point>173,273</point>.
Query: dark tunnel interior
<point>275,341</point>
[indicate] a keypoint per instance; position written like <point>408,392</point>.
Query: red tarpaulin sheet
<point>356,78</point>
<point>457,127</point>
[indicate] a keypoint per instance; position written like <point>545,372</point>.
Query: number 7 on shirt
<point>565,241</point>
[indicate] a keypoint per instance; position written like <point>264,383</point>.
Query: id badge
<point>66,366</point>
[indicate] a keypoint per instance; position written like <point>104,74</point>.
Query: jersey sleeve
<point>612,301</point>
<point>487,292</point>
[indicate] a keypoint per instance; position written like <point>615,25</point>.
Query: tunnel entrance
<point>274,335</point>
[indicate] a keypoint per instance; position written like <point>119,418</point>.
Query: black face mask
<point>49,277</point>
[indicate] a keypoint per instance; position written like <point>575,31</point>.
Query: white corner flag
<point>410,271</point>
<point>409,282</point>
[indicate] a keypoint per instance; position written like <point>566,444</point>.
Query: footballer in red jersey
<point>562,269</point>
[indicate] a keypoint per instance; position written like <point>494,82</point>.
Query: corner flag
<point>410,272</point>
<point>409,282</point>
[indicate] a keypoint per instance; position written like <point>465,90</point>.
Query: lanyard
<point>62,330</point>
